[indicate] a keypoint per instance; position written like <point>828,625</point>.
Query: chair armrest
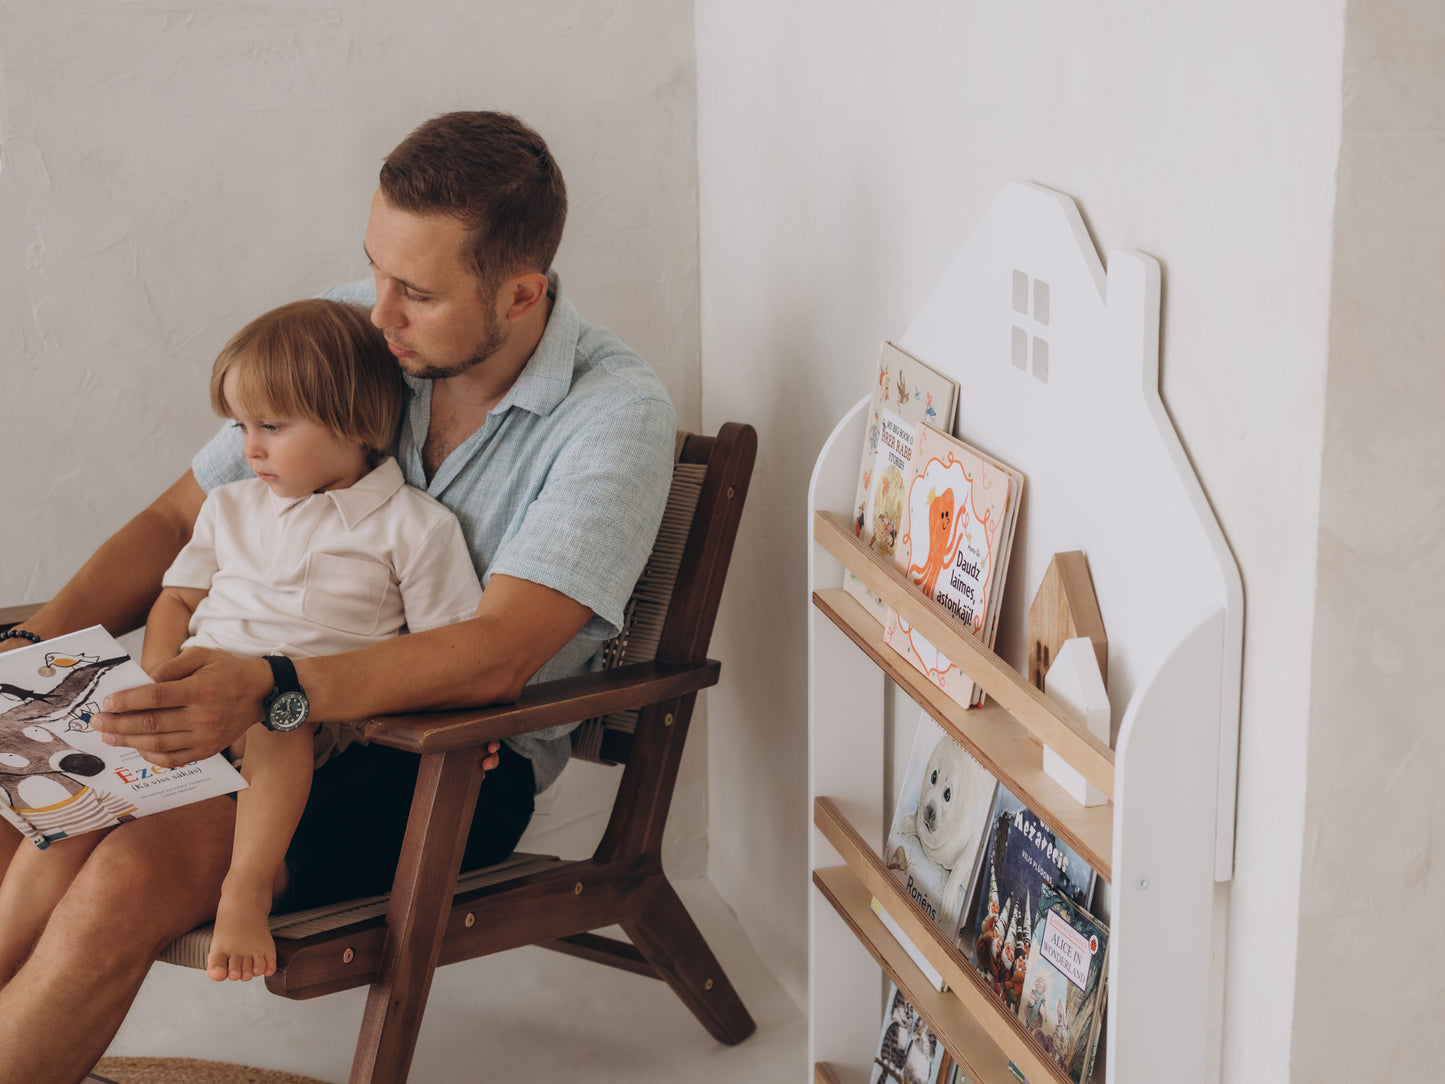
<point>551,703</point>
<point>14,615</point>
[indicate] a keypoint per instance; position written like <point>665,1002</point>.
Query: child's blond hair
<point>319,360</point>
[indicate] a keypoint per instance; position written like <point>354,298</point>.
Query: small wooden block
<point>1075,682</point>
<point>1064,608</point>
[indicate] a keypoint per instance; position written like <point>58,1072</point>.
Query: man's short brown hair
<point>495,175</point>
<point>319,360</point>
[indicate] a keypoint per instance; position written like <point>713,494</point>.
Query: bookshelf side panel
<point>845,742</point>
<point>1166,931</point>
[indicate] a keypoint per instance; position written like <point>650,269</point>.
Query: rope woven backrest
<point>646,611</point>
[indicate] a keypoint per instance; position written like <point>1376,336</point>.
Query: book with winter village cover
<point>960,510</point>
<point>906,393</point>
<point>1022,856</point>
<point>908,1051</point>
<point>58,778</point>
<point>938,829</point>
<point>1065,983</point>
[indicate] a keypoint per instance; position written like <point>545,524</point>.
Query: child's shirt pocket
<point>345,593</point>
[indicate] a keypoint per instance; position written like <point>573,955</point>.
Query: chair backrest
<point>671,612</point>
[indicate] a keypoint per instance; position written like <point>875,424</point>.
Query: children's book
<point>939,824</point>
<point>960,509</point>
<point>1022,856</point>
<point>908,1052</point>
<point>58,778</point>
<point>906,393</point>
<point>1065,983</point>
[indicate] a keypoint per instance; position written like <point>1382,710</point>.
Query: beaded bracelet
<point>20,634</point>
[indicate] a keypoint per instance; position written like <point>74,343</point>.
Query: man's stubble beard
<point>492,342</point>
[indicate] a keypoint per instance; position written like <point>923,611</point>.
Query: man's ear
<point>520,295</point>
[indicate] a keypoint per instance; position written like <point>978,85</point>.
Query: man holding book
<point>552,443</point>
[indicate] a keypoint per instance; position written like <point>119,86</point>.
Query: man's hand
<point>203,700</point>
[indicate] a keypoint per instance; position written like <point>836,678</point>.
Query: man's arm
<point>205,699</point>
<point>116,587</point>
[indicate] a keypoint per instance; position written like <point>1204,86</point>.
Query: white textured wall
<point>846,149</point>
<point>168,171</point>
<point>1373,820</point>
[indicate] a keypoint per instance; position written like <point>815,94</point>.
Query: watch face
<point>288,711</point>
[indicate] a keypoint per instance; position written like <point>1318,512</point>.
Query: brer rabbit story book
<point>906,394</point>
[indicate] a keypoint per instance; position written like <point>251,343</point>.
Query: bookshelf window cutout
<point>1033,323</point>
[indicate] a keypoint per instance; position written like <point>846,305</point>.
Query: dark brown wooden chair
<point>637,711</point>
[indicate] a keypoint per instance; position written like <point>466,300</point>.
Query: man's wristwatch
<point>286,706</point>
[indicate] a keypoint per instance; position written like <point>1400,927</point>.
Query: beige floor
<point>520,1016</point>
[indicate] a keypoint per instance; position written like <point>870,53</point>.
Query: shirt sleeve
<point>591,527</point>
<point>439,585</point>
<point>196,564</point>
<point>222,460</point>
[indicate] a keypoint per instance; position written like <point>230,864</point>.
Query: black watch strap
<point>283,674</point>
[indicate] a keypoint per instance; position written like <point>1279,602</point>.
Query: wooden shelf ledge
<point>990,734</point>
<point>981,1035</point>
<point>1039,715</point>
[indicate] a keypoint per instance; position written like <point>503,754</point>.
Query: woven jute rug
<point>189,1071</point>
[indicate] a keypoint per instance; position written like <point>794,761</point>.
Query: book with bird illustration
<point>960,507</point>
<point>58,778</point>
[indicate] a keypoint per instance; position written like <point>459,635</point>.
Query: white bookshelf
<point>1057,363</point>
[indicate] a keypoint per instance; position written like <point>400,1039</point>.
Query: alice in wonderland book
<point>1062,1005</point>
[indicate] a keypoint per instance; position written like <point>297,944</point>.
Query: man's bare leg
<point>10,840</point>
<point>33,885</point>
<point>147,883</point>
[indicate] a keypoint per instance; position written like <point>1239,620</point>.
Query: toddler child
<point>325,550</point>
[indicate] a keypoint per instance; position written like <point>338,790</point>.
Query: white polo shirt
<point>324,573</point>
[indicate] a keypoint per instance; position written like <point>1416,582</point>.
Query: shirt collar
<point>547,378</point>
<point>355,502</point>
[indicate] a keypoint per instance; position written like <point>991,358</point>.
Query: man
<point>548,438</point>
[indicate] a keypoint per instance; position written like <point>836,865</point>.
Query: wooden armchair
<point>637,711</point>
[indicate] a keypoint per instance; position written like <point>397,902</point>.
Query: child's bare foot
<point>241,947</point>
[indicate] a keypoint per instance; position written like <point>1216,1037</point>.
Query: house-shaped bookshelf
<point>1057,365</point>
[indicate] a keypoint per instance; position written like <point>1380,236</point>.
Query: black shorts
<point>349,839</point>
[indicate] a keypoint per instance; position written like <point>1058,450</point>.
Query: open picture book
<point>58,778</point>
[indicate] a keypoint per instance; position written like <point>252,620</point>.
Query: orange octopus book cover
<point>959,512</point>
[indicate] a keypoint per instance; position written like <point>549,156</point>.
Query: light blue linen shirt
<point>563,485</point>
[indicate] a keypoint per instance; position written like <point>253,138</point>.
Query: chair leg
<point>416,917</point>
<point>666,935</point>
